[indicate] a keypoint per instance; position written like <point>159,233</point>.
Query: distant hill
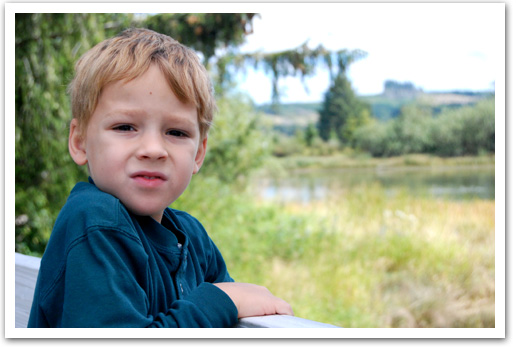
<point>397,94</point>
<point>290,117</point>
<point>385,107</point>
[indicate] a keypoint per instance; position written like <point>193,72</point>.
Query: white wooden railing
<point>26,273</point>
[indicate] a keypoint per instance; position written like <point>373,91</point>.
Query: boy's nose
<point>151,147</point>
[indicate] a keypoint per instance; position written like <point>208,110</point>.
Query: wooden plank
<point>280,321</point>
<point>26,274</point>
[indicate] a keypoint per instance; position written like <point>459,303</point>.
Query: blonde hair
<point>130,54</point>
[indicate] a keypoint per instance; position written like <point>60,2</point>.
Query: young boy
<point>118,256</point>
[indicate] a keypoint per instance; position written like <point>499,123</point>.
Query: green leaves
<point>237,143</point>
<point>302,62</point>
<point>204,32</point>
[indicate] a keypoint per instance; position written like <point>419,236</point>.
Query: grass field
<point>360,258</point>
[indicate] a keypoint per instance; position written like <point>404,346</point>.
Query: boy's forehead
<point>152,89</point>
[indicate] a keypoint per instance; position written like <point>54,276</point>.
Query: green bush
<point>237,144</point>
<point>468,130</point>
<point>373,137</point>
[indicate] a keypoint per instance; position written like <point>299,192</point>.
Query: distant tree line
<point>416,128</point>
<point>469,130</point>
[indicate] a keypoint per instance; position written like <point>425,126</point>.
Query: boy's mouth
<point>147,177</point>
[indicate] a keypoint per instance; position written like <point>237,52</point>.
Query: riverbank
<point>343,160</point>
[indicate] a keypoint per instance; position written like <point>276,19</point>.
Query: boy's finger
<point>284,308</point>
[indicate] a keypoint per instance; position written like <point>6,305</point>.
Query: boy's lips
<point>147,178</point>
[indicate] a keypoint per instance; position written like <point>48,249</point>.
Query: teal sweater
<point>105,267</point>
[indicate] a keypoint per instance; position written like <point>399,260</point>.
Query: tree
<point>204,32</point>
<point>342,112</point>
<point>310,135</point>
<point>300,61</point>
<point>237,144</point>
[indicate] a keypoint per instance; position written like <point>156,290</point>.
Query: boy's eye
<point>124,128</point>
<point>176,133</point>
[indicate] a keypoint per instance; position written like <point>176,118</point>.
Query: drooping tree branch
<point>302,62</point>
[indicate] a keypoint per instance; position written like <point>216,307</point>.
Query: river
<point>450,182</point>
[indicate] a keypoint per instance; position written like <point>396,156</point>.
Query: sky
<point>436,46</point>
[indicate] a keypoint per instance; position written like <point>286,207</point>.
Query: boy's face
<point>142,144</point>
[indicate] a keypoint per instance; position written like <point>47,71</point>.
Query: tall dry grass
<point>394,262</point>
<point>360,258</point>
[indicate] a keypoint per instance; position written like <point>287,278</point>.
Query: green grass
<point>359,259</point>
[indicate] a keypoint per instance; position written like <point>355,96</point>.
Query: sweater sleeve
<point>207,306</point>
<point>102,288</point>
<point>216,267</point>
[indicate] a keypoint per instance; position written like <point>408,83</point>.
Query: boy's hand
<point>254,300</point>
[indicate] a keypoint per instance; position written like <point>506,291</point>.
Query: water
<point>453,183</point>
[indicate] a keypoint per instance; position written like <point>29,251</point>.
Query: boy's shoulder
<point>90,206</point>
<point>86,210</point>
<point>88,190</point>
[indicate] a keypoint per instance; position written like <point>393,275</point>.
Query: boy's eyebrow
<point>138,112</point>
<point>128,112</point>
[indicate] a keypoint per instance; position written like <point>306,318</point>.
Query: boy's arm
<point>206,306</point>
<point>103,289</point>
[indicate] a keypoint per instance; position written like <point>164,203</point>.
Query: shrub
<point>468,130</point>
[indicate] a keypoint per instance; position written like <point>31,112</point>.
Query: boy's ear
<point>76,144</point>
<point>201,153</point>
